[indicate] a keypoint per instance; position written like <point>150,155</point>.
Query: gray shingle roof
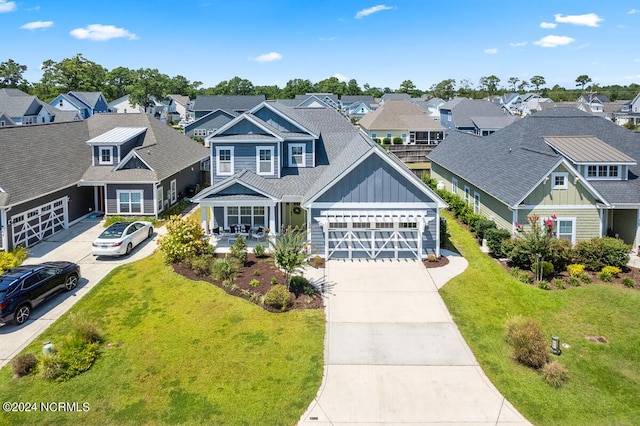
<point>493,122</point>
<point>89,98</point>
<point>399,115</point>
<point>232,104</point>
<point>462,109</point>
<point>509,163</point>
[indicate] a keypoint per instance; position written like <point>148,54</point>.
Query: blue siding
<point>245,159</point>
<point>268,116</point>
<point>374,181</point>
<point>237,189</point>
<point>245,127</point>
<point>308,149</point>
<point>214,121</point>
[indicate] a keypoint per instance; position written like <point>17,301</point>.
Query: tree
<point>376,92</point>
<point>513,81</point>
<point>489,83</point>
<point>290,250</point>
<point>582,80</point>
<point>465,89</point>
<point>297,86</point>
<point>11,75</point>
<point>537,81</point>
<point>331,85</point>
<point>445,89</point>
<point>235,86</point>
<point>353,88</point>
<point>523,86</point>
<point>149,83</point>
<point>74,74</point>
<point>118,82</point>
<point>269,92</point>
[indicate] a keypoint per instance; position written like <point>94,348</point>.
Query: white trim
<point>467,194</point>
<point>159,199</point>
<point>565,179</point>
<point>454,185</point>
<point>374,206</point>
<point>573,227</point>
<point>231,160</point>
<point>102,149</point>
<point>476,202</point>
<point>130,191</point>
<point>562,207</point>
<point>271,160</point>
<point>129,156</point>
<point>304,155</point>
<point>173,190</point>
<point>249,118</point>
<point>215,189</point>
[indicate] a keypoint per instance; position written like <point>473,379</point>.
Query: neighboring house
<point>5,120</point>
<point>234,105</point>
<point>431,107</point>
<point>532,102</point>
<point>564,162</point>
<point>208,124</point>
<point>356,106</point>
<point>394,97</point>
<point>277,166</point>
<point>462,114</point>
<point>85,103</point>
<point>178,107</point>
<point>116,164</point>
<point>23,108</point>
<point>596,102</point>
<point>122,105</point>
<point>318,100</point>
<point>628,112</point>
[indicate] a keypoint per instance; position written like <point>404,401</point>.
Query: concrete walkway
<point>393,354</point>
<point>72,244</point>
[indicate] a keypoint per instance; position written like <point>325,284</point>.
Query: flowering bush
<point>538,245</point>
<point>184,239</point>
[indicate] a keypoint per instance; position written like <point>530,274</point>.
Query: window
<point>264,158</point>
<point>2,123</point>
<point>476,203</point>
<point>374,135</point>
<point>404,137</point>
<point>160,200</point>
<point>559,180</point>
<point>388,135</point>
<point>454,185</point>
<point>174,192</point>
<point>129,202</point>
<point>246,215</point>
<point>296,155</point>
<point>467,194</point>
<point>565,229</point>
<point>603,171</point>
<point>224,161</point>
<point>106,155</point>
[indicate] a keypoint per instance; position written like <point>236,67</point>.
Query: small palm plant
<point>290,250</point>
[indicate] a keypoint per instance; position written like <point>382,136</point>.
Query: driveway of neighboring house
<point>72,244</point>
<point>393,354</point>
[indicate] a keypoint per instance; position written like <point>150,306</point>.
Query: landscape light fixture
<point>555,345</point>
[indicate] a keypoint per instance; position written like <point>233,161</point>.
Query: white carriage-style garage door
<point>32,226</point>
<point>373,234</point>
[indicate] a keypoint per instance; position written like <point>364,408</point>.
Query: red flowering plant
<point>535,243</point>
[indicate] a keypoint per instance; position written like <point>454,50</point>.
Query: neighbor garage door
<point>372,234</point>
<point>34,225</point>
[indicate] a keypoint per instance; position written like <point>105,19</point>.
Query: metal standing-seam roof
<point>587,149</point>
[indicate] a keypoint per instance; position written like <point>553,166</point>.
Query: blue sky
<point>377,42</point>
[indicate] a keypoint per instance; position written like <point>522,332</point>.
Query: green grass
<point>182,352</point>
<point>604,386</point>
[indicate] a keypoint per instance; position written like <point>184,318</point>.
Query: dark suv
<point>24,287</point>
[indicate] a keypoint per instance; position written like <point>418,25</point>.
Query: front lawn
<point>180,352</point>
<point>604,386</point>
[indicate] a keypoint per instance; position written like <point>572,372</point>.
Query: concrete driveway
<point>72,244</point>
<point>393,355</point>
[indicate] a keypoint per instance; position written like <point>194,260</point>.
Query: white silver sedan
<point>121,237</point>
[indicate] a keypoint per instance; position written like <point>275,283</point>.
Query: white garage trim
<point>31,226</point>
<point>373,233</point>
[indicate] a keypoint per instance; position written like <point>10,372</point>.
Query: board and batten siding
<point>576,193</point>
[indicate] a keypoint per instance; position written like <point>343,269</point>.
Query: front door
<point>295,215</point>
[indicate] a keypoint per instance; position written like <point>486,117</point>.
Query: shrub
<point>574,280</point>
<point>515,272</point>
<point>201,265</point>
<point>13,258</point>
<point>495,239</point>
<point>525,278</point>
<point>86,330</point>
<point>628,282</point>
<point>605,276</point>
<point>398,140</point>
<point>274,281</point>
<point>317,262</point>
<point>470,218</point>
<point>386,141</point>
<point>239,250</point>
<point>184,239</point>
<point>278,297</point>
<point>584,278</point>
<point>377,140</point>
<point>256,273</point>
<point>301,285</point>
<point>254,283</point>
<point>575,269</point>
<point>290,251</point>
<point>481,226</point>
<point>528,342</point>
<point>24,364</point>
<point>259,249</point>
<point>544,285</point>
<point>559,284</point>
<point>545,268</point>
<point>50,367</point>
<point>224,269</point>
<point>560,254</point>
<point>76,356</point>
<point>613,270</point>
<point>600,252</point>
<point>555,374</point>
<point>431,257</point>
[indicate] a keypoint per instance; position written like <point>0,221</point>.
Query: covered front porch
<point>623,222</point>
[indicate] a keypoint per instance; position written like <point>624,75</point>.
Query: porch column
<point>205,222</point>
<point>438,242</point>
<point>272,220</point>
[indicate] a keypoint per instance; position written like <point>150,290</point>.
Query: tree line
<point>81,74</point>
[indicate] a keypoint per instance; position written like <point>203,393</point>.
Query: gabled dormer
<point>109,148</point>
<point>593,158</point>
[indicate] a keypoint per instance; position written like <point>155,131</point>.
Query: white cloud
<point>554,41</point>
<point>340,77</point>
<point>518,44</point>
<point>492,51</point>
<point>588,19</point>
<point>267,57</point>
<point>36,25</point>
<point>548,25</point>
<point>99,32</point>
<point>632,77</point>
<point>7,6</point>
<point>370,11</point>
<point>633,11</point>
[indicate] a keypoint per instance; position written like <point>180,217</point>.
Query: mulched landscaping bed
<point>442,261</point>
<point>266,270</point>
